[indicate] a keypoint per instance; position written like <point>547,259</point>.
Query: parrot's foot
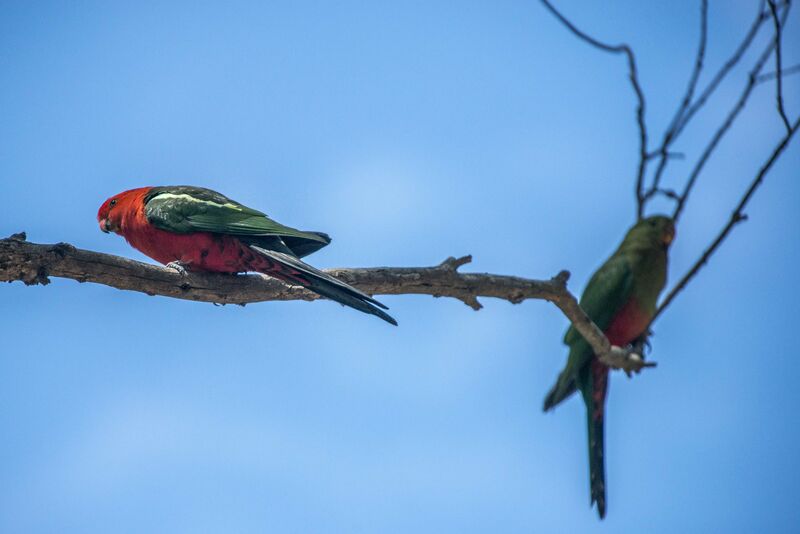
<point>641,344</point>
<point>628,359</point>
<point>178,266</point>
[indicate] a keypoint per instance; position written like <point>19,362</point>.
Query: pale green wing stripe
<point>184,213</point>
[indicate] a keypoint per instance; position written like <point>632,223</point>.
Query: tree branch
<point>670,133</point>
<point>634,79</point>
<point>787,71</point>
<point>736,217</point>
<point>761,17</point>
<point>778,77</point>
<point>724,127</point>
<point>34,263</point>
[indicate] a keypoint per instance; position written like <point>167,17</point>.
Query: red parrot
<point>621,300</point>
<point>199,229</point>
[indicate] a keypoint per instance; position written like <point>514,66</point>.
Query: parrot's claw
<point>635,359</point>
<point>641,344</point>
<point>177,266</point>
<point>628,359</point>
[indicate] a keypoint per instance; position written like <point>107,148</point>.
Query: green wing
<point>608,291</point>
<point>186,209</point>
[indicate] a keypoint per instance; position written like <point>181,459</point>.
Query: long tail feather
<point>597,472</point>
<point>292,270</point>
<point>594,395</point>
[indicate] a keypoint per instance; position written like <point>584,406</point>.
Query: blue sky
<point>410,132</point>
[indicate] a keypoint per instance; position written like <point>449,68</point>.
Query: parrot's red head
<point>111,212</point>
<point>104,216</point>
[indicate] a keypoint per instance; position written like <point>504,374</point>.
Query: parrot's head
<point>655,231</point>
<point>108,217</point>
<point>111,212</point>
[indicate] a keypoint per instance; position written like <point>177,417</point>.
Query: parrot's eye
<point>113,202</point>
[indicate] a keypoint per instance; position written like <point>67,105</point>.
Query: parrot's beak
<point>668,236</point>
<point>105,226</point>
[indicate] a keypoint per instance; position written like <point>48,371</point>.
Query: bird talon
<point>637,363</point>
<point>642,344</point>
<point>178,266</point>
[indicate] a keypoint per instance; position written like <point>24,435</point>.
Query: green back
<point>187,209</point>
<point>608,290</point>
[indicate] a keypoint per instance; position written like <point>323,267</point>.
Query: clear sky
<point>409,131</point>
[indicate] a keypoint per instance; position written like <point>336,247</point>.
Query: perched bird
<point>201,230</point>
<point>621,300</point>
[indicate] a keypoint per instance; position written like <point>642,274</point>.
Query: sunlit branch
<point>34,264</point>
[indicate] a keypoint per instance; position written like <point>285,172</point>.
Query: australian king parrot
<point>621,299</point>
<point>198,229</point>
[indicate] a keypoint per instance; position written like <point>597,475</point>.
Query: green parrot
<point>621,300</point>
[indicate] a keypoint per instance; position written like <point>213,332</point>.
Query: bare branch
<point>736,217</point>
<point>794,69</point>
<point>778,77</point>
<point>670,133</point>
<point>726,68</point>
<point>634,79</point>
<point>723,129</point>
<point>34,264</point>
<point>611,355</point>
<point>698,68</point>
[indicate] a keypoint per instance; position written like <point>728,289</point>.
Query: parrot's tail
<point>594,396</point>
<point>291,270</point>
<point>597,471</point>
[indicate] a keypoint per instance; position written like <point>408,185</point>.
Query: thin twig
<point>736,217</point>
<point>698,68</point>
<point>723,129</point>
<point>726,68</point>
<point>794,69</point>
<point>669,134</point>
<point>778,77</point>
<point>634,79</point>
